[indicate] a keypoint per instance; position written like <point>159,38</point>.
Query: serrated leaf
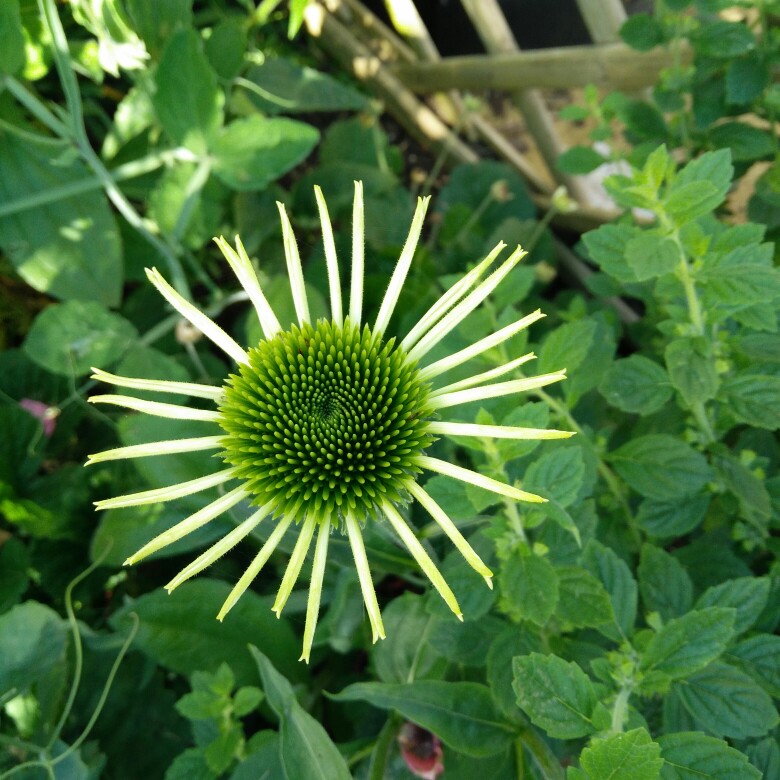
<point>579,160</point>
<point>664,584</point>
<point>642,32</point>
<point>651,255</point>
<point>661,466</point>
<point>672,518</point>
<point>461,714</point>
<point>691,367</point>
<point>759,657</point>
<point>723,40</point>
<point>636,384</point>
<point>582,599</point>
<point>743,276</point>
<point>528,585</point>
<point>746,79</point>
<point>747,595</point>
<point>686,202</point>
<point>728,703</point>
<point>754,399</point>
<point>557,696</point>
<point>557,475</point>
<point>689,643</point>
<point>616,577</point>
<point>745,142</point>
<point>69,338</point>
<point>567,346</point>
<point>695,756</point>
<point>607,248</point>
<point>714,167</point>
<point>629,756</point>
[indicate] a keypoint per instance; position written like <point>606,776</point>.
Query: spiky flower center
<point>325,418</point>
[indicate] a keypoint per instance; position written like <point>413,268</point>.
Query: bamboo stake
<point>492,28</point>
<point>603,18</point>
<point>613,65</point>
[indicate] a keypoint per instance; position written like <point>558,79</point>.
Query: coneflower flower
<point>324,425</point>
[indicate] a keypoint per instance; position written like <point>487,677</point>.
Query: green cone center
<point>324,418</point>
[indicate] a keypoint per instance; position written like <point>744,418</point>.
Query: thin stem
<point>35,107</point>
<point>510,507</point>
<point>620,708</point>
<point>549,765</point>
<point>384,742</point>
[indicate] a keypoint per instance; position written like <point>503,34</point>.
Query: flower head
<point>324,425</point>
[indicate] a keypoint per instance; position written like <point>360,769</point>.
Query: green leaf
<point>188,100</point>
<point>664,584</point>
<point>713,167</point>
<point>743,276</point>
<point>651,255</point>
<point>557,696</point>
<point>69,338</point>
<point>251,153</point>
<point>689,643</point>
<point>686,202</point>
<point>664,519</point>
<point>567,346</point>
<point>691,367</point>
<point>287,87</point>
<point>607,248</point>
<point>11,38</point>
<point>723,40</point>
<point>226,47</point>
<point>642,32</point>
<point>200,641</point>
<point>190,765</point>
<point>14,577</point>
<point>637,385</point>
<point>661,466</point>
<point>629,756</point>
<point>616,577</point>
<point>748,595</point>
<point>305,748</point>
<point>220,752</point>
<point>147,363</point>
<point>70,247</point>
<point>558,475</point>
<point>694,756</point>
<point>246,700</point>
<point>461,714</point>
<point>745,142</point>
<point>728,703</point>
<point>157,22</point>
<point>579,160</point>
<point>765,755</point>
<point>759,657</point>
<point>754,399</point>
<point>32,642</point>
<point>582,599</point>
<point>528,585</point>
<point>746,79</point>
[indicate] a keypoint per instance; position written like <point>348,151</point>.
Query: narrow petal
<point>356,281</point>
<point>216,551</point>
<point>158,495</point>
<point>190,312</point>
<point>189,524</point>
<point>449,528</point>
<point>159,385</point>
<point>331,260</point>
<point>495,431</point>
<point>156,408</point>
<point>423,559</point>
<point>294,268</point>
<point>245,273</point>
<point>483,345</point>
<point>296,563</point>
<point>257,564</point>
<point>364,576</point>
<point>466,306</point>
<point>450,298</point>
<point>475,478</point>
<point>315,588</point>
<point>169,447</point>
<point>441,399</point>
<point>485,376</point>
<point>402,267</point>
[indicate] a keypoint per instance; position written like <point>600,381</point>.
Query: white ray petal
<point>466,306</point>
<point>168,447</point>
<point>222,546</point>
<point>493,391</point>
<point>315,588</point>
<point>294,268</point>
<point>331,260</point>
<point>296,563</point>
<point>364,576</point>
<point>449,528</point>
<point>402,267</point>
<point>156,408</point>
<point>475,478</point>
<point>450,298</point>
<point>493,340</point>
<point>485,376</point>
<point>189,524</point>
<point>245,273</point>
<point>423,559</point>
<point>358,260</point>
<point>203,323</point>
<point>158,495</point>
<point>158,385</point>
<point>257,564</point>
<point>494,431</point>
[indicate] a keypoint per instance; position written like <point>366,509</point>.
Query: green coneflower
<point>325,424</point>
